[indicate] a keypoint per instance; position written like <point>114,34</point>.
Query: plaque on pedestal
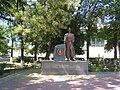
<point>59,52</point>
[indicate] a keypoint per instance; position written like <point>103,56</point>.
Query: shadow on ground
<point>34,81</point>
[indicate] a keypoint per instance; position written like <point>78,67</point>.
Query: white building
<point>96,49</point>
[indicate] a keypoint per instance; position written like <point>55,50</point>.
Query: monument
<point>69,40</point>
<point>60,66</point>
<point>65,50</point>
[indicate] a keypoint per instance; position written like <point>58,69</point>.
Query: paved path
<point>32,80</point>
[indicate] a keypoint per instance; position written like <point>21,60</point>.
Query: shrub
<point>2,66</point>
<point>26,59</point>
<point>103,65</point>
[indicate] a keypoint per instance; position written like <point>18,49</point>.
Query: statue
<point>69,40</point>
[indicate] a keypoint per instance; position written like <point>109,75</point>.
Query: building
<point>96,49</point>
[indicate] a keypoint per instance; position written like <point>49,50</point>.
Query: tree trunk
<point>11,56</point>
<point>115,46</point>
<point>119,49</point>
<point>22,50</point>
<point>88,40</point>
<point>88,43</point>
<point>35,51</point>
<point>115,51</point>
<point>48,52</point>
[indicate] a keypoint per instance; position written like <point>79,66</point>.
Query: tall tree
<point>19,23</point>
<point>90,10</point>
<point>115,24</point>
<point>3,40</point>
<point>46,19</point>
<point>111,21</point>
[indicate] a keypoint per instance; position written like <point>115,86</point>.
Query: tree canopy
<point>42,23</point>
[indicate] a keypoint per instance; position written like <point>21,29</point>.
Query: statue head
<point>69,30</point>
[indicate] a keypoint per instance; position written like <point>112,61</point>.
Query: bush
<point>26,59</point>
<point>103,65</point>
<point>5,66</point>
<point>2,66</point>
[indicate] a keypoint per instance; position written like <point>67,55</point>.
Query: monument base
<point>64,67</point>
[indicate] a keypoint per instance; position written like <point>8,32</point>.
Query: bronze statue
<point>69,40</point>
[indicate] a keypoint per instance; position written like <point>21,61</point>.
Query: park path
<point>33,80</point>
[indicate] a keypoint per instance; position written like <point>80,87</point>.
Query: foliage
<point>43,23</point>
<point>3,40</point>
<point>89,11</point>
<point>110,19</point>
<point>103,65</point>
<point>76,22</point>
<point>6,68</point>
<point>5,9</point>
<point>46,20</point>
<point>26,59</point>
<point>2,66</point>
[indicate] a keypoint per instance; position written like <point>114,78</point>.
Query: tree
<point>111,20</point>
<point>76,23</point>
<point>45,20</point>
<point>11,11</point>
<point>6,15</point>
<point>115,24</point>
<point>3,40</point>
<point>90,11</point>
<point>20,26</point>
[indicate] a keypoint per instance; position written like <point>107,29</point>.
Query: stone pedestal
<point>64,67</point>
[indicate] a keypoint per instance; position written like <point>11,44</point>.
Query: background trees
<point>46,21</point>
<point>110,20</point>
<point>43,23</point>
